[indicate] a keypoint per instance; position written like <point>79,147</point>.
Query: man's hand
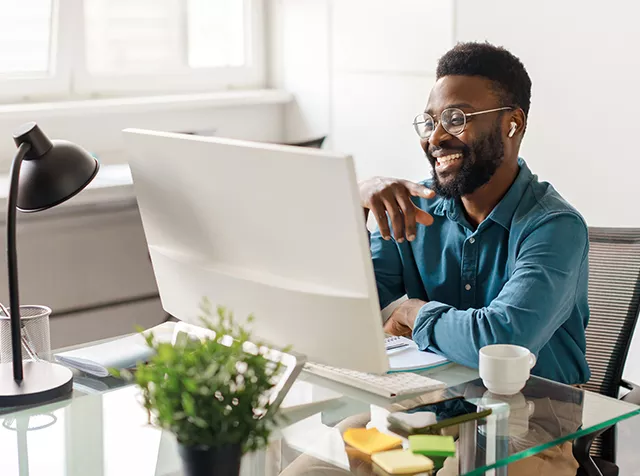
<point>402,319</point>
<point>391,196</point>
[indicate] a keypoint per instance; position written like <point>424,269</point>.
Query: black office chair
<point>614,301</point>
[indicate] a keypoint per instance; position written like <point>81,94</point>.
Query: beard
<point>479,162</point>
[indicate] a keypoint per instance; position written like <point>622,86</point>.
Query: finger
<point>409,213</point>
<point>411,209</point>
<point>423,217</point>
<point>405,331</point>
<point>394,328</point>
<point>418,190</point>
<point>396,216</point>
<point>389,327</point>
<point>377,208</point>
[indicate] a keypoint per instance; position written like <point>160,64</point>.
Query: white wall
<point>299,63</point>
<point>384,68</point>
<point>360,74</point>
<point>584,68</point>
<point>361,70</point>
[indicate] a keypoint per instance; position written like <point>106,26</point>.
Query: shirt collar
<point>441,207</point>
<point>503,211</point>
<point>451,208</point>
<point>506,208</point>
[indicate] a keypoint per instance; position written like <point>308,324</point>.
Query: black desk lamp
<point>44,174</point>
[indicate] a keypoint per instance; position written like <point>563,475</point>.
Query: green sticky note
<point>432,445</point>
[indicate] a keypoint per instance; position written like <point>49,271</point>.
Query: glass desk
<point>103,430</point>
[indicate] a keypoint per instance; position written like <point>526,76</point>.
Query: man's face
<point>462,163</point>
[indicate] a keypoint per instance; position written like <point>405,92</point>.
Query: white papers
<point>122,353</point>
<point>410,358</point>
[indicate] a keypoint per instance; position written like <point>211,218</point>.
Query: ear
<point>517,123</point>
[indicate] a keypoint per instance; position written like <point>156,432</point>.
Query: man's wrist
<point>411,319</point>
<point>412,310</point>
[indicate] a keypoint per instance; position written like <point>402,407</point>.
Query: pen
<point>397,346</point>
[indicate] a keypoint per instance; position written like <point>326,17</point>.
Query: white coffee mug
<point>505,369</point>
<point>519,413</point>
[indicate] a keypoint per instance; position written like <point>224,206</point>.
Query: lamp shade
<point>53,171</point>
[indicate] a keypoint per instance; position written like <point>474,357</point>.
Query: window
<point>25,37</point>
<point>83,48</point>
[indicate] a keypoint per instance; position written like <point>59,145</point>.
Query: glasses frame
<point>464,114</point>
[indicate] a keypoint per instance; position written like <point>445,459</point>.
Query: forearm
<point>448,331</point>
<point>461,334</point>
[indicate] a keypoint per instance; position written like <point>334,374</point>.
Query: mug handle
<point>532,360</point>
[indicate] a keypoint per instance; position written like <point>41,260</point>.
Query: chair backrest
<point>315,143</point>
<point>614,302</point>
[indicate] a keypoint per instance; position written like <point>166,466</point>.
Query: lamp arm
<point>12,262</point>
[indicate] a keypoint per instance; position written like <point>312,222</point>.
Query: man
<point>484,252</point>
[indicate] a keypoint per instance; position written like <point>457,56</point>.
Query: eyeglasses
<point>453,121</point>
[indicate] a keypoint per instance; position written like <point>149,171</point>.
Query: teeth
<point>449,158</point>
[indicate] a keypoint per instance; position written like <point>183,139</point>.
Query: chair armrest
<point>634,395</point>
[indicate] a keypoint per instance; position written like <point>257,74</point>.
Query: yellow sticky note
<point>402,462</point>
<point>370,440</point>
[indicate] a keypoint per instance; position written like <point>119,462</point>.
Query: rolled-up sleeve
<point>535,301</point>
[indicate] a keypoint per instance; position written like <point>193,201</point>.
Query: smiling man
<point>484,252</point>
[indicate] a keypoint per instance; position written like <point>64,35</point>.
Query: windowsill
<point>111,189</point>
<point>144,104</point>
<point>97,124</point>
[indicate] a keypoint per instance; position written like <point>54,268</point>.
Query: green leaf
<point>190,385</point>
<point>166,352</point>
<point>188,404</point>
<point>199,422</point>
<point>211,370</point>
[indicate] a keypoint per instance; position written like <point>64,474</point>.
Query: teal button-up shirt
<point>519,278</point>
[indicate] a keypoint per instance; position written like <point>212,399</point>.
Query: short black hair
<point>511,80</point>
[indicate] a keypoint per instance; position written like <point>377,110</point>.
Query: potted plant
<point>212,394</point>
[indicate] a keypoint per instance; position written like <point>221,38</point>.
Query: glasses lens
<point>423,124</point>
<point>453,121</point>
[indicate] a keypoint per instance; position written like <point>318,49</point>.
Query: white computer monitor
<point>269,230</point>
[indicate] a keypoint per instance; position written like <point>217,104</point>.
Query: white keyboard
<point>388,385</point>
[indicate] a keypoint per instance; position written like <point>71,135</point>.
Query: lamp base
<point>43,382</point>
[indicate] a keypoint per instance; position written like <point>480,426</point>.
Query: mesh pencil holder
<point>34,321</point>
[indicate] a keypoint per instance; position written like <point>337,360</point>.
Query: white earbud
<point>512,131</point>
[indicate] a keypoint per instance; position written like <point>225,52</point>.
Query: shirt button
<point>472,240</point>
<point>467,287</point>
